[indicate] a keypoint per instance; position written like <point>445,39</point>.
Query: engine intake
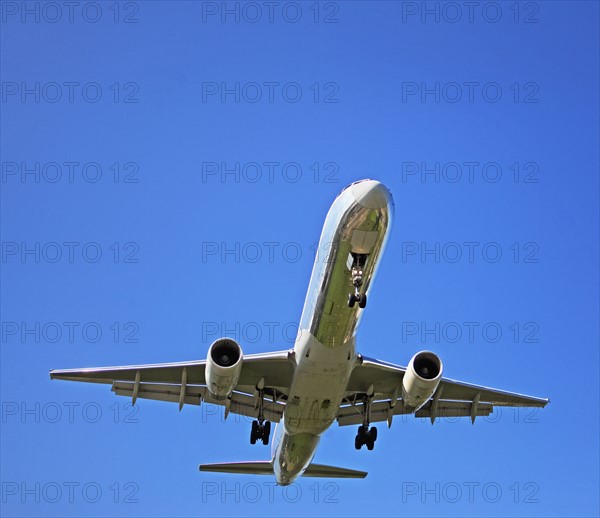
<point>422,377</point>
<point>223,367</point>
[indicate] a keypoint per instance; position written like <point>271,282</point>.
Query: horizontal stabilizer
<point>264,467</point>
<point>257,467</point>
<point>320,470</point>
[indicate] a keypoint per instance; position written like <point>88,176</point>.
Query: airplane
<point>323,378</point>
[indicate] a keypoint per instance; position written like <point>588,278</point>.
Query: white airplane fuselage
<point>354,235</point>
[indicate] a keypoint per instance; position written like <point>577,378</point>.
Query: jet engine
<point>422,377</point>
<point>223,367</point>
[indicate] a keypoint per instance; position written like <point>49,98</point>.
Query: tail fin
<point>264,467</point>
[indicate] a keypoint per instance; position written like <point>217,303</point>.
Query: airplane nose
<point>371,194</point>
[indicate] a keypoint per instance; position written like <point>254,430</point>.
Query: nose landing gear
<point>356,273</point>
<point>355,297</point>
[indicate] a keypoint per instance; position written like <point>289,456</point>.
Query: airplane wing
<point>451,399</point>
<point>185,383</point>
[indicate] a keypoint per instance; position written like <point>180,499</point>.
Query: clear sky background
<point>154,114</point>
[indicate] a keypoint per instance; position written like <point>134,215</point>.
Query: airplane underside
<point>322,379</point>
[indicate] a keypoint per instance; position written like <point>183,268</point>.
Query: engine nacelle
<point>223,367</point>
<point>422,377</point>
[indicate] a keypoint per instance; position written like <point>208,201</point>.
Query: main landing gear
<point>365,434</point>
<point>358,264</point>
<point>261,429</point>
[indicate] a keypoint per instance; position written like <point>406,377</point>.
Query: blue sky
<point>166,171</point>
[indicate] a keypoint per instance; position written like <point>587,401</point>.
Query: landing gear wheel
<point>360,438</point>
<point>362,303</point>
<point>254,432</point>
<point>371,438</point>
<point>373,434</point>
<point>266,432</point>
<point>352,300</point>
